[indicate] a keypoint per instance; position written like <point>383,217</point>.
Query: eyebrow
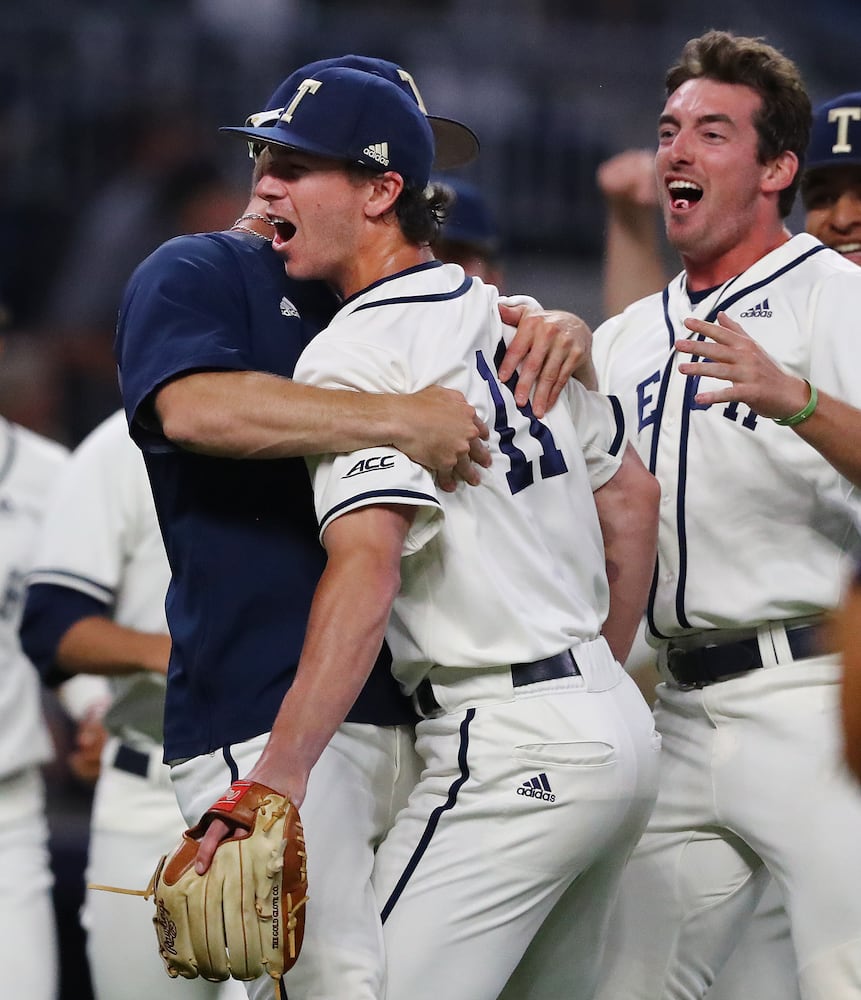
<point>702,120</point>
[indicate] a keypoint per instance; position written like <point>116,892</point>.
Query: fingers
<point>483,431</point>
<point>550,384</point>
<point>538,371</point>
<point>479,454</point>
<point>215,833</point>
<point>725,331</point>
<point>445,480</point>
<point>468,465</point>
<point>547,348</point>
<point>521,342</point>
<point>466,471</point>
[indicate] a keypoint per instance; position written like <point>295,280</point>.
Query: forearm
<point>96,645</point>
<point>633,265</point>
<point>628,512</point>
<point>346,628</point>
<point>834,431</point>
<point>256,415</point>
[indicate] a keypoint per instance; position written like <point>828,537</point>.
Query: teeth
<point>683,186</point>
<point>848,248</point>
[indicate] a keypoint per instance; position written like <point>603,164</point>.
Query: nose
<point>269,187</point>
<point>679,149</point>
<point>846,211</point>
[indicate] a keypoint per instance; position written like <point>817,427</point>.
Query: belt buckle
<point>424,700</point>
<point>676,654</point>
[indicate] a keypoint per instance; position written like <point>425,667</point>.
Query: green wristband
<point>802,415</point>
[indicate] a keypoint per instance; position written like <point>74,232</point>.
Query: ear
<point>385,189</point>
<point>778,173</point>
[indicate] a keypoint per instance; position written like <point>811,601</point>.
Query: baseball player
<point>831,183</point>
<point>95,604</point>
<point>469,235</point>
<point>538,753</point>
<point>209,332</point>
<point>29,465</point>
<point>747,439</point>
<point>831,194</point>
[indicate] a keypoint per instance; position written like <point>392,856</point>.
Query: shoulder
<point>202,258</point>
<point>109,442</point>
<point>37,450</point>
<point>185,250</point>
<point>638,314</point>
<point>29,462</point>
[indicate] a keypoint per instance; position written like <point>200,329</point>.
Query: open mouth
<point>284,230</point>
<point>683,194</point>
<point>847,248</point>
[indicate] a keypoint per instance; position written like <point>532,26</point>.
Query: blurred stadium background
<point>103,103</point>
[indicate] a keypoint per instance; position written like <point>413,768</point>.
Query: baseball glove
<point>245,916</point>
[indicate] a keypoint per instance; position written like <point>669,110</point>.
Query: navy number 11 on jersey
<point>522,473</point>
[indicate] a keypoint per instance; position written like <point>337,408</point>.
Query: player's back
<point>240,534</point>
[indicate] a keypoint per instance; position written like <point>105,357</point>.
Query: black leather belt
<point>548,669</point>
<point>695,668</point>
<point>132,761</point>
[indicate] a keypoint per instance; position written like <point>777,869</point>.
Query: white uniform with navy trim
<point>526,787</point>
<point>29,465</point>
<point>755,539</point>
<point>101,538</point>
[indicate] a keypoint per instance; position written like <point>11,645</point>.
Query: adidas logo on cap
<point>378,151</point>
<point>537,788</point>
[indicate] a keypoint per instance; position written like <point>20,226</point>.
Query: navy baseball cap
<point>469,220</point>
<point>456,144</point>
<point>357,117</point>
<point>835,136</point>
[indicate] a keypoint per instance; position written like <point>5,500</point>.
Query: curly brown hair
<point>784,118</point>
<point>420,211</point>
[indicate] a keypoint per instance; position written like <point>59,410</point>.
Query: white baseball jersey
<point>760,524</point>
<point>101,538</point>
<point>507,572</point>
<point>756,528</point>
<point>538,530</point>
<point>29,465</point>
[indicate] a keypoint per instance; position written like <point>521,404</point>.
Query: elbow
<point>646,501</point>
<point>188,418</point>
<point>651,497</point>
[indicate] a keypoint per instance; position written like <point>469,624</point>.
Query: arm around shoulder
<point>254,415</point>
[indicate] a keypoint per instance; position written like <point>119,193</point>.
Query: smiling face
<point>832,198</point>
<point>720,203</point>
<point>317,209</point>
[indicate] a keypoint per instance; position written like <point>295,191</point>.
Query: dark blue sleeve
<point>184,309</point>
<point>49,612</point>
